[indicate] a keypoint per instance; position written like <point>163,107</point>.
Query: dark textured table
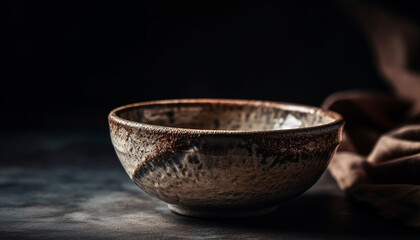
<point>71,185</point>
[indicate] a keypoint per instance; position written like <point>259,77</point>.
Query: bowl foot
<point>222,212</point>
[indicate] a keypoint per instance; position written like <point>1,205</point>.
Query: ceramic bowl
<point>224,158</point>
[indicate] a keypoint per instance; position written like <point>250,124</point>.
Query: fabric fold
<point>388,178</point>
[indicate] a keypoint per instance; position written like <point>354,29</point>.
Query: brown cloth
<point>378,162</point>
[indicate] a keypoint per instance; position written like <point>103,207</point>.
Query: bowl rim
<point>336,123</point>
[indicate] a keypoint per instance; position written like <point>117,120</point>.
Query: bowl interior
<point>225,115</point>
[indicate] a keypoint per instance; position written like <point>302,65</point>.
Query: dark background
<point>72,62</point>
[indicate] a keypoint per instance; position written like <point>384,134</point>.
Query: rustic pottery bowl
<point>224,158</point>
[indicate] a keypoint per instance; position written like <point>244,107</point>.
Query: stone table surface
<point>66,185</point>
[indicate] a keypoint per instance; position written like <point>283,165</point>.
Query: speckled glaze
<point>224,158</point>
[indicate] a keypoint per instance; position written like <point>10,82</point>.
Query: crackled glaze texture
<point>197,154</point>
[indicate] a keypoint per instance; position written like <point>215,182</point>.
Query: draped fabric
<point>378,162</point>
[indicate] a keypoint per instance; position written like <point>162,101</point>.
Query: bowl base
<point>222,212</point>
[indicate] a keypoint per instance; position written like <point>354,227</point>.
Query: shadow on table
<point>314,214</point>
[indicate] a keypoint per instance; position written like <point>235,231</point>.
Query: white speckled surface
<point>71,185</point>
